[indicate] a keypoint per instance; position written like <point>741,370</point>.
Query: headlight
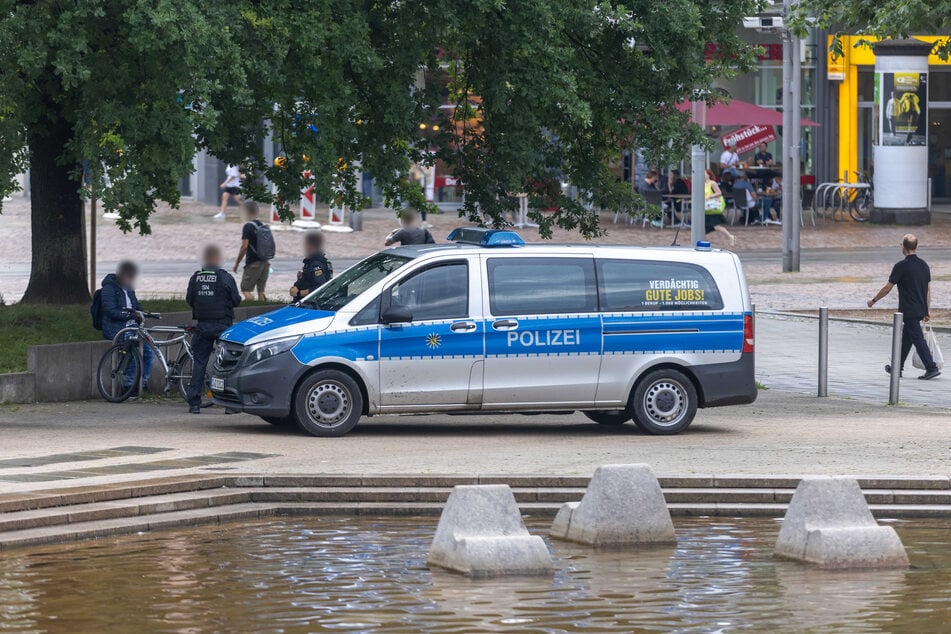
<point>268,349</point>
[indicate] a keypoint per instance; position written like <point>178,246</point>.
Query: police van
<point>491,324</point>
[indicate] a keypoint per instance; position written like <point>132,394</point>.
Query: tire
<point>280,421</point>
<point>110,376</point>
<point>185,375</point>
<point>664,402</point>
<point>861,208</point>
<point>609,417</point>
<point>328,403</point>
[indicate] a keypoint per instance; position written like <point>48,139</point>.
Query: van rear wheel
<point>328,403</point>
<point>664,402</point>
<point>609,417</point>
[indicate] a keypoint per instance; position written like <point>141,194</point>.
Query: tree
<point>882,18</point>
<point>543,91</point>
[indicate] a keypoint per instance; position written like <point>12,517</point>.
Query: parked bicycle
<point>120,369</point>
<point>841,197</point>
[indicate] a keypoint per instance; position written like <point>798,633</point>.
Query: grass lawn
<point>24,325</point>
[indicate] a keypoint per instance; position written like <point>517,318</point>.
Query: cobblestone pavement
<point>177,236</point>
<point>781,434</point>
<point>787,357</point>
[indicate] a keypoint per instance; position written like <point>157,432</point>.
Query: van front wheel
<point>664,402</point>
<point>328,403</point>
<point>609,417</point>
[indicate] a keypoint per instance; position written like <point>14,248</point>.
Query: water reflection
<point>351,575</point>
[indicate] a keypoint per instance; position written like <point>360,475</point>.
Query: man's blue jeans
<point>147,357</point>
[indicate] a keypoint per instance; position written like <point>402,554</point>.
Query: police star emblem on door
<point>433,341</point>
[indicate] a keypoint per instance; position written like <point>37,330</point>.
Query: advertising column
<point>900,137</point>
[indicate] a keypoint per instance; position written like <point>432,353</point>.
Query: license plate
<point>217,383</point>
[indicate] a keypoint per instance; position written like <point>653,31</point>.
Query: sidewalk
<point>787,357</point>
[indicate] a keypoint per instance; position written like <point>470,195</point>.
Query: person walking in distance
<point>912,276</point>
<point>230,186</point>
<point>212,295</point>
<point>317,269</point>
<point>257,251</point>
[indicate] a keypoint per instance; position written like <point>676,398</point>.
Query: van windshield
<point>343,289</point>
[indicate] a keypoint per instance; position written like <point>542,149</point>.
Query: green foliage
<point>881,18</point>
<point>24,325</point>
<point>548,91</point>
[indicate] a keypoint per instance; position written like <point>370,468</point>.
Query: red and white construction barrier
<point>336,220</point>
<point>308,208</point>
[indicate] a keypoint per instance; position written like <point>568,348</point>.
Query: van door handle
<point>463,326</point>
<point>505,324</point>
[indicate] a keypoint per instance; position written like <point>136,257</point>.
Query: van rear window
<point>638,285</point>
<point>541,286</point>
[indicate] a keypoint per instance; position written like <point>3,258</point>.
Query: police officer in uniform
<point>317,268</point>
<point>212,294</point>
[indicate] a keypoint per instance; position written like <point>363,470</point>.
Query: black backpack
<point>264,240</point>
<point>95,309</point>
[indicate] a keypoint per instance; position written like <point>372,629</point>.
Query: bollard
<point>897,325</point>
<point>824,351</point>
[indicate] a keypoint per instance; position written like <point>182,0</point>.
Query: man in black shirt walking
<point>913,279</point>
<point>212,294</point>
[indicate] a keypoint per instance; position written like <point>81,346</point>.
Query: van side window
<point>636,285</point>
<point>541,286</point>
<point>369,315</point>
<point>438,292</point>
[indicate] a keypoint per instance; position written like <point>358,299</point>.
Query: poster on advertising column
<point>903,102</point>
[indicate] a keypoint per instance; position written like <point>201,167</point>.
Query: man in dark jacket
<point>317,269</point>
<point>121,309</point>
<point>212,294</point>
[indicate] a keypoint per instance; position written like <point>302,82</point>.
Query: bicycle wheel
<point>861,208</point>
<point>112,377</point>
<point>184,365</point>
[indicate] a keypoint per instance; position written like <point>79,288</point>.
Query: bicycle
<point>840,197</point>
<point>124,357</point>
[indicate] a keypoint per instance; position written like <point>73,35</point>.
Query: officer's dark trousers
<point>911,335</point>
<point>203,342</point>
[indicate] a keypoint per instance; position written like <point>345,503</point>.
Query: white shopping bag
<point>932,342</point>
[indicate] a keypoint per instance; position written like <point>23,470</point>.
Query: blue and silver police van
<point>488,323</point>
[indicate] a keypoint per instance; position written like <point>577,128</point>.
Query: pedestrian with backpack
<point>212,294</point>
<point>257,251</point>
<point>114,307</point>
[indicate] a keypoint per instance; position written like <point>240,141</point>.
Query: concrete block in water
<point>622,506</point>
<point>481,534</point>
<point>829,523</point>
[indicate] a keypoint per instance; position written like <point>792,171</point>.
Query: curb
<point>90,512</point>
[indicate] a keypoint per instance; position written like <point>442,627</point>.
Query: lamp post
<point>792,120</point>
<point>698,158</point>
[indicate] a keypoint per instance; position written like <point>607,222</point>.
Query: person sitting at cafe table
<point>762,158</point>
<point>650,182</point>
<point>676,186</point>
<point>729,160</point>
<point>772,201</point>
<point>744,195</point>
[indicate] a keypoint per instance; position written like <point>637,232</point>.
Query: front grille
<point>227,356</point>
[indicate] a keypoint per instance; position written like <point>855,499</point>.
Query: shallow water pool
<point>364,575</point>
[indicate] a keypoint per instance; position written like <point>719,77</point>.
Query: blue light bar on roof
<point>486,237</point>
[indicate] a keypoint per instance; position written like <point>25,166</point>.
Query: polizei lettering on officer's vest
<point>206,282</point>
<point>544,338</point>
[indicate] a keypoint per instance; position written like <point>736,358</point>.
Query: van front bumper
<point>731,383</point>
<point>262,389</point>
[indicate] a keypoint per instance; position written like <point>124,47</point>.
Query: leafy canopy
<point>882,18</point>
<point>540,92</point>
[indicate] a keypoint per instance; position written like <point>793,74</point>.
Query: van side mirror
<point>396,315</point>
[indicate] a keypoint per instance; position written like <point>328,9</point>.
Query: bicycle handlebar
<point>152,315</point>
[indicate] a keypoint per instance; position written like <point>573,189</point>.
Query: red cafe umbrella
<point>738,112</point>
